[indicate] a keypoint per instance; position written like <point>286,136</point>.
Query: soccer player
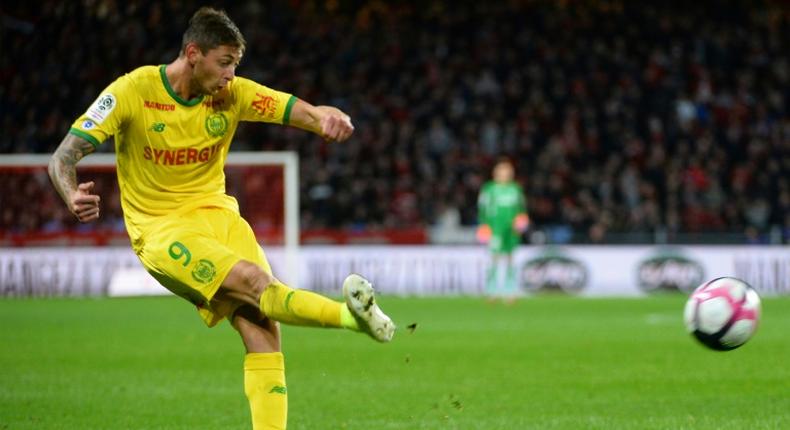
<point>173,125</point>
<point>502,219</point>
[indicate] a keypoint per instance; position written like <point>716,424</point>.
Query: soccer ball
<point>723,313</point>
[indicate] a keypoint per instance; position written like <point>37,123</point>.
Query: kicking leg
<point>249,283</point>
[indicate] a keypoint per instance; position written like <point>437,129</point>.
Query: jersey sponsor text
<point>159,106</point>
<point>179,157</point>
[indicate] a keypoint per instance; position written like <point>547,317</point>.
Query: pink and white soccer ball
<point>723,313</point>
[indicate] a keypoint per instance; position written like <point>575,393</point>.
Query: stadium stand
<point>630,122</point>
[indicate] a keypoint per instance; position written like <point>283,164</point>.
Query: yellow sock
<point>264,385</point>
<point>300,307</point>
<point>347,320</point>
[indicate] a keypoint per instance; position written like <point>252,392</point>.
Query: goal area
<point>265,183</point>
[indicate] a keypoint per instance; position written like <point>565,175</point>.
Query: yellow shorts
<point>191,253</point>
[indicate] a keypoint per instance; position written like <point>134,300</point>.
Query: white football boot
<point>360,300</point>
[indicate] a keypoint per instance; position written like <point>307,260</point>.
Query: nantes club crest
<point>216,124</point>
<point>204,271</point>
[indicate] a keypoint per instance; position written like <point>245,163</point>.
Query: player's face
<point>503,172</point>
<point>215,69</point>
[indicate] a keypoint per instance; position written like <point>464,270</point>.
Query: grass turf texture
<point>545,363</point>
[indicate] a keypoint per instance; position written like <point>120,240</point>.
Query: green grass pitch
<point>545,363</point>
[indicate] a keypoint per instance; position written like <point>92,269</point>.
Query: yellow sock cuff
<point>264,361</point>
<point>347,320</point>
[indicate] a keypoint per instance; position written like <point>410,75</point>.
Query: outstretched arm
<point>326,121</point>
<point>63,173</point>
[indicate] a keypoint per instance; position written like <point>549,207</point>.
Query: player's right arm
<point>104,118</point>
<point>63,173</point>
<point>484,231</point>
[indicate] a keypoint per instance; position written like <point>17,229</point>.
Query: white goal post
<point>288,159</point>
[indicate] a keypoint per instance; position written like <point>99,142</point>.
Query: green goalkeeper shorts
<point>504,242</point>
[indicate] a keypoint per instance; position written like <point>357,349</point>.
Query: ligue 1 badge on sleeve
<point>102,108</point>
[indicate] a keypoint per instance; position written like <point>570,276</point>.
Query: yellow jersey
<point>171,152</point>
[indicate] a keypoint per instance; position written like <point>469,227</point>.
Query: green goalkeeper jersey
<point>498,204</point>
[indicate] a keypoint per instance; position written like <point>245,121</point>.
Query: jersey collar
<point>173,94</point>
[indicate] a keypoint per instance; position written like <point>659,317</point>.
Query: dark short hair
<point>209,28</point>
<point>502,159</point>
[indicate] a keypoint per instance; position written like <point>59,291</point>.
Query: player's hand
<point>483,233</point>
<point>521,223</point>
<point>336,126</point>
<point>84,204</point>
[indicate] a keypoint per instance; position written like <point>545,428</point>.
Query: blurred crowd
<point>619,116</point>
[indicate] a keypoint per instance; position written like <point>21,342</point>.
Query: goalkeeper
<point>173,125</point>
<point>502,219</point>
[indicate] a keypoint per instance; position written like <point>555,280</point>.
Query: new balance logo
<point>279,389</point>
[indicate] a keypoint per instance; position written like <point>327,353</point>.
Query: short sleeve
<point>107,115</point>
<point>260,103</point>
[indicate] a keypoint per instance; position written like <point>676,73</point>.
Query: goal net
<point>33,217</point>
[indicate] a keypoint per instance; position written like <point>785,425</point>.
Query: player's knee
<point>258,280</point>
<point>253,278</point>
